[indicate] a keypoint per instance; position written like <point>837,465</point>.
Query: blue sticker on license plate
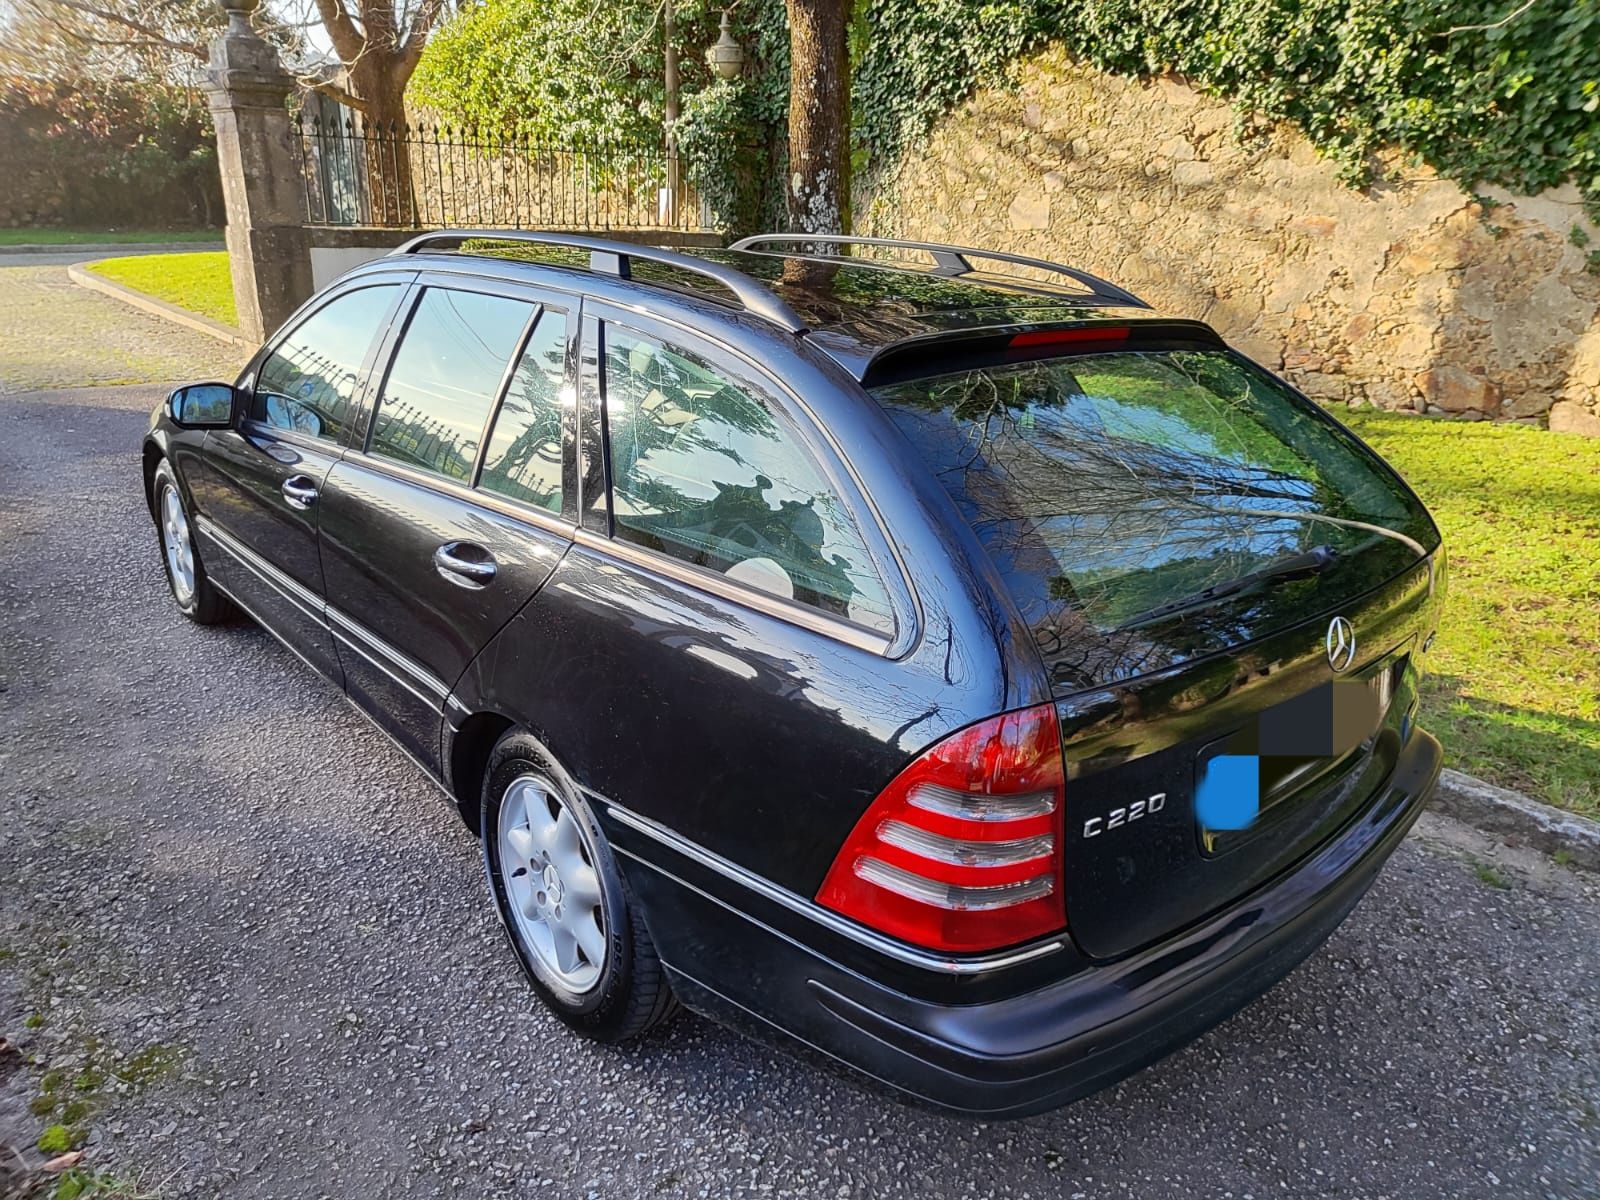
<point>1286,747</point>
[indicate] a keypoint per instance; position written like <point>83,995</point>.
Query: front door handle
<point>300,491</point>
<point>464,564</point>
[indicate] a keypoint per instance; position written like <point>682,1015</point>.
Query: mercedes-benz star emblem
<point>1341,644</point>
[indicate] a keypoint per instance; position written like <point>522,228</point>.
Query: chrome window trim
<point>467,276</point>
<point>791,611</point>
<point>830,920</point>
<point>516,510</point>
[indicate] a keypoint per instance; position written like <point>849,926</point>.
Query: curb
<point>1502,811</point>
<point>112,248</point>
<point>158,308</point>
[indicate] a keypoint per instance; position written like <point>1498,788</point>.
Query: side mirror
<point>202,406</point>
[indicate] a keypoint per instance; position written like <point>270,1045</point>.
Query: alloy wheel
<point>176,543</point>
<point>551,885</point>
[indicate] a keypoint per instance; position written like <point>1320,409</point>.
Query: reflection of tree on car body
<point>677,426</point>
<point>529,466</point>
<point>740,524</point>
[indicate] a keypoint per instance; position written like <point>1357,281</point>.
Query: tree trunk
<point>390,198</point>
<point>818,187</point>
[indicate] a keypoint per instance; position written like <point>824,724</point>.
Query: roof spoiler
<point>945,353</point>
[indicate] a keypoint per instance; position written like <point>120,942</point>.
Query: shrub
<point>105,153</point>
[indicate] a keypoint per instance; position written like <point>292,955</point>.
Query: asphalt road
<point>216,879</point>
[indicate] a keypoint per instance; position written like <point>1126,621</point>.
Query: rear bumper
<point>1041,1047</point>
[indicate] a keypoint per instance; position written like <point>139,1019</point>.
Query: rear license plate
<point>1241,778</point>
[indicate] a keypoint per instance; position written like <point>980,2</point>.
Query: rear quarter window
<point>712,473</point>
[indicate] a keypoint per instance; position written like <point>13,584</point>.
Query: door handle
<point>300,491</point>
<point>464,564</point>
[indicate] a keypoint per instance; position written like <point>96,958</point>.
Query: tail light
<point>962,851</point>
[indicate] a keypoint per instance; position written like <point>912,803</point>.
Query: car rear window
<point>1112,490</point>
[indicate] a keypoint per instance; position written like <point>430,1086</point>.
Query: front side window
<point>710,472</point>
<point>308,383</point>
<point>446,374</point>
<point>525,458</point>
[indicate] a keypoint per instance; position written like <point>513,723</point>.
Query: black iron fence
<point>420,176</point>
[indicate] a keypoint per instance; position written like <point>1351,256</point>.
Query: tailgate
<point>1189,788</point>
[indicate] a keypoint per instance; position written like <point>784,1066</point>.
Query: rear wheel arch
<point>467,758</point>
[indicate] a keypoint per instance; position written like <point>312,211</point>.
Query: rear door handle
<point>300,491</point>
<point>464,564</point>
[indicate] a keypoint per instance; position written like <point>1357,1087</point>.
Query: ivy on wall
<point>561,71</point>
<point>1480,97</point>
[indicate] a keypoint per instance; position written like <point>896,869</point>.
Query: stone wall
<point>1410,294</point>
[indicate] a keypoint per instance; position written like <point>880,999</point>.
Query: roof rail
<point>608,256</point>
<point>951,261</point>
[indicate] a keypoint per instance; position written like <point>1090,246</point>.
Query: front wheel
<point>562,900</point>
<point>195,595</point>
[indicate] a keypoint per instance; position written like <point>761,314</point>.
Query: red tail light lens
<point>963,849</point>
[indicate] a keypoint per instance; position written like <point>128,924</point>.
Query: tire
<point>192,591</point>
<point>547,912</point>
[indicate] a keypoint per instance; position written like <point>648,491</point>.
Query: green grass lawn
<point>1515,687</point>
<point>198,281</point>
<point>78,237</point>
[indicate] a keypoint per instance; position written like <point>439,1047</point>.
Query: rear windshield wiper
<point>1295,566</point>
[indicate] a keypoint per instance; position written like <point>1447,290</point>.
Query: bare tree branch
<point>348,41</point>
<point>148,32</point>
<point>1505,20</point>
<point>334,91</point>
<point>417,37</point>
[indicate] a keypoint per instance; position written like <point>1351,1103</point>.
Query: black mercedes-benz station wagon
<point>930,656</point>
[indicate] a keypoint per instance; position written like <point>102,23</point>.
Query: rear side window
<point>446,374</point>
<point>524,458</point>
<point>1113,490</point>
<point>709,472</point>
<point>308,383</point>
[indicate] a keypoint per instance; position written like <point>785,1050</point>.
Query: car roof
<point>860,311</point>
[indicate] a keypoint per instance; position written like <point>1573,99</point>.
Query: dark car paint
<point>1131,885</point>
<point>607,652</point>
<point>236,485</point>
<point>406,634</point>
<point>653,640</point>
<point>1014,1041</point>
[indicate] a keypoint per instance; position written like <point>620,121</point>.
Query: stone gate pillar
<point>263,187</point>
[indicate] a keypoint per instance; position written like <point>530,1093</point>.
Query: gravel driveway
<point>217,882</point>
<point>54,333</point>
